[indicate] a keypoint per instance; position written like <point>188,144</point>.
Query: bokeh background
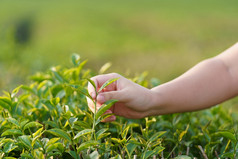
<point>163,37</point>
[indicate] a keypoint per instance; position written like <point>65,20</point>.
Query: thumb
<point>105,96</point>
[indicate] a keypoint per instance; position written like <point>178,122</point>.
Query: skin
<point>208,83</point>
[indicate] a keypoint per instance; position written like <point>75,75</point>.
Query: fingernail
<point>101,99</point>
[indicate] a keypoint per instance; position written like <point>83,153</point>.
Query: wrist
<point>156,106</point>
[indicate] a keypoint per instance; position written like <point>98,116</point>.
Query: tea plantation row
<point>49,118</point>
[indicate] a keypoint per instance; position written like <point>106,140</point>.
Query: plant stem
<point>94,119</point>
<point>172,150</point>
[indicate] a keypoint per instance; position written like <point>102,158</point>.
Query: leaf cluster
<point>50,118</point>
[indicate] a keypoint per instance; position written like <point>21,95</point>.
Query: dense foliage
<point>50,118</point>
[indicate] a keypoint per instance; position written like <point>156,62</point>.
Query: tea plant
<point>49,118</point>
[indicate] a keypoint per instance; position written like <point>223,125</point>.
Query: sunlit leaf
<point>12,132</point>
<point>107,83</point>
<point>26,141</point>
<point>86,145</point>
<point>60,133</point>
<point>14,121</point>
<point>83,132</point>
<point>32,124</point>
<point>105,107</point>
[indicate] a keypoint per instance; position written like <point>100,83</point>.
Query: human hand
<point>134,101</point>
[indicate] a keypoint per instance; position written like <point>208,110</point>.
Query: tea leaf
<point>227,135</point>
<point>32,124</point>
<point>14,121</point>
<point>182,157</point>
<point>75,59</point>
<point>80,89</point>
<point>58,76</point>
<point>92,82</point>
<point>12,132</point>
<point>94,155</point>
<point>15,91</point>
<point>107,83</point>
<point>183,133</point>
<point>117,157</point>
<point>100,132</point>
<point>124,132</point>
<point>105,107</point>
<point>53,146</point>
<point>147,154</point>
<point>60,133</point>
<point>52,141</point>
<point>26,141</point>
<point>9,147</point>
<point>74,154</point>
<point>5,103</point>
<point>86,145</point>
<point>26,155</point>
<point>83,132</point>
<point>156,136</point>
<point>131,148</point>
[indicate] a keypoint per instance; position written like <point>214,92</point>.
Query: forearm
<point>207,84</point>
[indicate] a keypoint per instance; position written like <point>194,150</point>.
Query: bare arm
<point>208,83</point>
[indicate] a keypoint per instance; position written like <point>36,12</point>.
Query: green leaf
<point>26,155</point>
<point>58,76</point>
<point>48,104</point>
<point>14,121</point>
<point>51,141</point>
<point>87,144</point>
<point>51,123</point>
<point>26,141</point>
<point>51,147</point>
<point>82,124</point>
<point>74,154</point>
<point>227,135</point>
<point>116,140</point>
<point>37,133</point>
<point>182,157</point>
<point>105,107</point>
<point>75,59</point>
<point>107,83</point>
<point>12,132</point>
<point>83,132</point>
<point>9,147</point>
<point>5,103</point>
<point>124,132</point>
<point>32,124</point>
<point>94,155</point>
<point>131,148</point>
<point>183,133</point>
<point>55,101</point>
<point>147,154</point>
<point>80,89</point>
<point>16,90</point>
<point>60,133</point>
<point>100,132</point>
<point>156,136</point>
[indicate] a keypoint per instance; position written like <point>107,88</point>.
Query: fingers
<point>99,81</point>
<point>118,95</point>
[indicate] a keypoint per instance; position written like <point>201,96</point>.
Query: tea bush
<point>49,118</point>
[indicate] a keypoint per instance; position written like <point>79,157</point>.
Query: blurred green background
<point>163,37</point>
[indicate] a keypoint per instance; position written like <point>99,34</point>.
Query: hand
<point>134,101</point>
